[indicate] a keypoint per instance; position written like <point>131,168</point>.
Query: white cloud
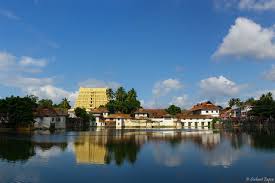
<point>29,61</point>
<point>98,84</point>
<point>248,39</point>
<point>181,101</point>
<point>246,5</point>
<point>259,93</point>
<point>270,75</point>
<point>216,87</point>
<point>164,87</point>
<point>6,60</point>
<point>51,92</point>
<point>257,5</point>
<point>12,75</point>
<point>9,14</point>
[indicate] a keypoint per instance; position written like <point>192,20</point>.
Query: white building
<point>195,121</point>
<point>119,120</point>
<point>50,118</point>
<point>206,108</point>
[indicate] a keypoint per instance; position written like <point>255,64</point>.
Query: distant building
<point>119,119</point>
<point>206,108</point>
<point>190,121</point>
<point>245,111</point>
<point>100,114</point>
<point>46,118</point>
<point>91,98</point>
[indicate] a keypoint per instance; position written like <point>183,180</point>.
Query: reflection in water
<point>103,147</point>
<point>45,156</point>
<point>21,148</point>
<point>16,149</point>
<point>91,149</point>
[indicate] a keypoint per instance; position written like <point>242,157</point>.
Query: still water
<point>105,155</point>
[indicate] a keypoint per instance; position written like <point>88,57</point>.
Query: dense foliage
<point>83,114</point>
<point>48,103</point>
<point>122,101</point>
<point>173,110</point>
<point>264,107</point>
<point>18,110</point>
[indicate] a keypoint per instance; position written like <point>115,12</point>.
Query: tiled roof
<point>204,106</point>
<point>99,110</point>
<point>119,115</point>
<point>50,112</point>
<point>153,113</point>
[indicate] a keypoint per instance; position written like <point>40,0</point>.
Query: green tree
<point>131,103</point>
<point>250,101</point>
<point>122,101</point>
<point>173,110</point>
<point>110,94</point>
<point>235,102</point>
<point>120,94</point>
<point>82,113</point>
<point>264,107</point>
<point>18,110</point>
<point>45,103</point>
<point>64,104</point>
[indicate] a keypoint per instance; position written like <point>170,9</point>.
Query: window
<point>202,123</point>
<point>206,111</point>
<point>52,119</point>
<point>189,124</point>
<point>196,124</point>
<point>58,119</point>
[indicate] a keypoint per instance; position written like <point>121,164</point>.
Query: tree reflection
<point>15,149</point>
<point>121,151</point>
<point>263,138</point>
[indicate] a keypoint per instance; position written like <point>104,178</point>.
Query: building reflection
<point>91,149</point>
<point>121,146</point>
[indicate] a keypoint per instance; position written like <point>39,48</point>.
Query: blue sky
<point>170,51</point>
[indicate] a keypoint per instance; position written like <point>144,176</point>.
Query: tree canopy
<point>122,101</point>
<point>173,110</point>
<point>64,104</point>
<point>264,107</point>
<point>83,114</point>
<point>18,110</point>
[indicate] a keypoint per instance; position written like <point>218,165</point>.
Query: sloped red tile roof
<point>50,112</point>
<point>153,113</point>
<point>204,106</point>
<point>99,110</point>
<point>118,115</point>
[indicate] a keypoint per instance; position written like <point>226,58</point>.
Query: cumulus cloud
<point>51,92</point>
<point>12,75</point>
<point>270,74</point>
<point>215,87</point>
<point>164,87</point>
<point>98,84</point>
<point>181,101</point>
<point>248,39</point>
